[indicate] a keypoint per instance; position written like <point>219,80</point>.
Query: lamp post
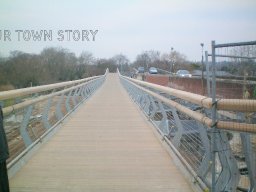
<point>172,61</point>
<point>202,61</point>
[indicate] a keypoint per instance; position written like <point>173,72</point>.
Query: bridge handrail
<point>242,105</point>
<point>35,118</point>
<point>187,129</point>
<point>18,106</point>
<point>225,104</point>
<point>31,90</point>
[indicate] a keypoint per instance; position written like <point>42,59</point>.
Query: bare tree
<point>122,62</point>
<point>243,66</point>
<point>177,61</point>
<point>86,58</point>
<point>147,59</point>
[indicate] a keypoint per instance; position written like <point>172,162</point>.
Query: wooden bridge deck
<point>106,146</point>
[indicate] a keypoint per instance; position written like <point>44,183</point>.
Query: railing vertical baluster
<point>59,113</point>
<point>23,128</point>
<point>46,112</point>
<point>67,104</point>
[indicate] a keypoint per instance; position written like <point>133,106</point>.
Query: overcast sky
<point>130,27</point>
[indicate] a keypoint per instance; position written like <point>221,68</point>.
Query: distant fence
<point>157,79</point>
<point>225,88</point>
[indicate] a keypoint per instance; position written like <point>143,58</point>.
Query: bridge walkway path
<point>107,145</point>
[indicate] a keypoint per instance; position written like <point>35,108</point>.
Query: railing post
<point>250,159</point>
<point>74,97</point>
<point>214,119</point>
<point>67,104</point>
<point>23,128</point>
<point>142,100</point>
<point>135,94</point>
<point>207,74</point>
<point>91,88</point>
<point>229,176</point>
<point>82,93</point>
<point>205,165</point>
<point>179,126</point>
<point>138,96</point>
<point>164,124</point>
<point>147,105</point>
<point>59,113</point>
<point>77,96</point>
<point>45,116</point>
<point>86,91</point>
<point>130,89</point>
<point>154,107</point>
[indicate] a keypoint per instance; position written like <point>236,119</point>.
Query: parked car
<point>183,73</point>
<point>141,70</point>
<point>152,70</point>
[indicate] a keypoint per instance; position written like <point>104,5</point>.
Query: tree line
<point>53,65</point>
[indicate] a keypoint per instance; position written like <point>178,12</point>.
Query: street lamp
<point>172,61</point>
<point>202,61</point>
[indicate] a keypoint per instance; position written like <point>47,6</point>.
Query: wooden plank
<point>106,146</point>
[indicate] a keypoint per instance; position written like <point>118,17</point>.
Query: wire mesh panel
<point>239,60</point>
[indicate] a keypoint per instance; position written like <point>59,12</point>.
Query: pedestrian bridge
<point>114,133</point>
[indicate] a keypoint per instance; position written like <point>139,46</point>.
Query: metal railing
<point>30,114</point>
<point>184,121</point>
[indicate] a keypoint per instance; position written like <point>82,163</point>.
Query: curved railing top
<point>32,90</point>
<point>30,119</point>
<point>67,86</point>
<point>211,139</point>
<point>235,105</point>
<point>242,105</point>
